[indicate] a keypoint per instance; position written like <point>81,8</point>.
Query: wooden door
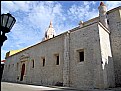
<point>22,72</point>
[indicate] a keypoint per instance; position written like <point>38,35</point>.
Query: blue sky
<point>33,18</point>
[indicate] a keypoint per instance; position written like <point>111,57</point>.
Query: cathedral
<point>87,56</point>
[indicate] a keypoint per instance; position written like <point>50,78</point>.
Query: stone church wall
<point>85,74</point>
<point>114,17</point>
<point>50,74</point>
<point>101,49</point>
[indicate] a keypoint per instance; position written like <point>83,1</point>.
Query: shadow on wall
<point>59,84</point>
<point>108,73</point>
<point>2,68</point>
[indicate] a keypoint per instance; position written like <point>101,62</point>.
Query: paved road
<point>6,86</point>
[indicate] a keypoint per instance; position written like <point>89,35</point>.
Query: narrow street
<point>7,86</point>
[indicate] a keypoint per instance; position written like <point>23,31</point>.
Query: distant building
<point>88,56</point>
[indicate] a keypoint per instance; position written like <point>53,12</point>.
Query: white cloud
<point>83,12</point>
<point>42,14</point>
<point>7,6</point>
<point>112,4</point>
<point>86,3</point>
<point>33,22</point>
<point>57,9</point>
<point>22,5</point>
<point>13,6</point>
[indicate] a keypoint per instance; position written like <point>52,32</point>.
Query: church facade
<point>88,56</point>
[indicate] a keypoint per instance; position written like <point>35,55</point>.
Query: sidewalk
<point>7,86</point>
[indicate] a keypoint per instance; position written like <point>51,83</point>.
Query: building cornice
<point>112,10</point>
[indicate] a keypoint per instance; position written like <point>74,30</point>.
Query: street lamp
<point>7,22</point>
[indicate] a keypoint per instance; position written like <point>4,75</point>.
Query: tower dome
<point>50,33</point>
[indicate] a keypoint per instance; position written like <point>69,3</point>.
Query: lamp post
<point>7,22</point>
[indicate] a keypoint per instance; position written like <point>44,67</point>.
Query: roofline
<point>114,9</point>
<point>74,29</point>
<point>36,44</point>
<point>71,30</point>
<point>91,20</point>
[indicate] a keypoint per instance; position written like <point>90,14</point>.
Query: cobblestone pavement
<point>7,86</point>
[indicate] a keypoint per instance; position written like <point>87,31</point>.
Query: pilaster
<point>66,60</point>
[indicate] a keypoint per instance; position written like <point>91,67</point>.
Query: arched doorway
<point>22,72</point>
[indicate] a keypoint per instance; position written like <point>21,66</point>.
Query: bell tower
<point>102,14</point>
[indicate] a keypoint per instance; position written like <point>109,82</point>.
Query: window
<point>43,59</point>
<point>81,56</point>
<point>57,60</point>
<point>56,56</point>
<point>33,63</point>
